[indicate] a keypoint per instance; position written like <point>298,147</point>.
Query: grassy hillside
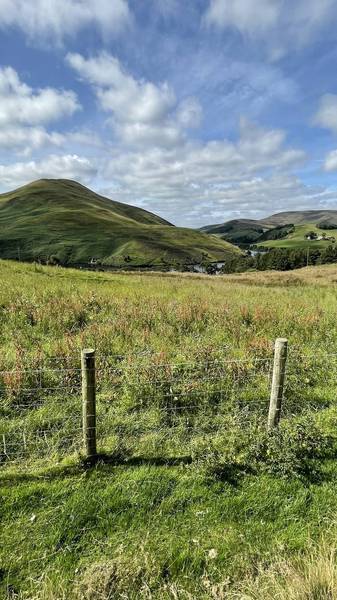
<point>246,231</point>
<point>237,231</point>
<point>300,217</point>
<point>64,221</point>
<point>197,501</point>
<point>296,239</point>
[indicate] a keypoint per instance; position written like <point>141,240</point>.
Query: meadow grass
<point>201,504</point>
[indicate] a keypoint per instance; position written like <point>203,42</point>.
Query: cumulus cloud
<point>19,103</point>
<point>327,113</point>
<point>142,112</point>
<point>278,23</point>
<point>27,139</point>
<point>48,20</point>
<point>252,197</point>
<point>330,163</point>
<point>54,166</point>
<point>214,162</point>
<point>187,182</point>
<point>24,112</point>
<point>158,166</point>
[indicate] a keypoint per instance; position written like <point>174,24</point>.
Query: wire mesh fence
<point>147,405</point>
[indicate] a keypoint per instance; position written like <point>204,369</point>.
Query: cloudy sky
<point>200,111</point>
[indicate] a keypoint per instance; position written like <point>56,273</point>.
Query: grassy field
<point>195,503</point>
<point>296,239</point>
<point>60,220</point>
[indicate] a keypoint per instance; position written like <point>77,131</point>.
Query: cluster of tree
<point>327,225</point>
<point>281,260</point>
<point>277,233</point>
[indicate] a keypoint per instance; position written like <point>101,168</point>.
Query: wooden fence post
<point>277,386</point>
<point>89,403</point>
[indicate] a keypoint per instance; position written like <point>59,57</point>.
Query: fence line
<point>127,391</point>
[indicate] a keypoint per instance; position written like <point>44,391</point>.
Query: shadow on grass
<point>136,461</point>
<point>91,464</point>
<point>231,473</point>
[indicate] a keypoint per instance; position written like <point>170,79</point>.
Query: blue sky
<point>200,111</point>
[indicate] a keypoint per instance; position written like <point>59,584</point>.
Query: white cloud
<point>187,182</point>
<point>189,113</point>
<point>327,113</point>
<point>155,163</point>
<point>251,17</point>
<point>331,161</point>
<point>20,104</point>
<point>280,24</point>
<point>24,112</point>
<point>53,20</point>
<point>140,134</point>
<point>27,139</point>
<point>143,113</point>
<point>326,117</point>
<point>54,166</point>
<point>253,197</point>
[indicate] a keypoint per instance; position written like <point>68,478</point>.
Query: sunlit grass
<point>184,509</point>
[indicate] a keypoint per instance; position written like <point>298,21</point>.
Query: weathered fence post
<point>277,386</point>
<point>89,403</point>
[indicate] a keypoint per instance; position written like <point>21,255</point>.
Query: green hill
<point>300,217</point>
<point>297,238</point>
<point>237,231</point>
<point>63,221</point>
<point>281,230</point>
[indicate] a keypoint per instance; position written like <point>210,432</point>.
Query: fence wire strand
<point>41,408</point>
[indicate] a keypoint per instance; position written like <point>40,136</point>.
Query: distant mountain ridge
<point>297,217</point>
<point>64,222</point>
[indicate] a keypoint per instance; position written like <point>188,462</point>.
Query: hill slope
<point>68,222</point>
<point>238,231</point>
<point>297,238</point>
<point>273,232</point>
<point>297,217</point>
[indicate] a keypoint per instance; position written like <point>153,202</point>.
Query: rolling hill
<point>237,231</point>
<point>64,222</point>
<point>297,238</point>
<point>280,230</point>
<point>300,217</point>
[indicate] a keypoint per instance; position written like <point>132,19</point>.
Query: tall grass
<point>197,501</point>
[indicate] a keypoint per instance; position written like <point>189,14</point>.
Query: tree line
<point>281,259</point>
